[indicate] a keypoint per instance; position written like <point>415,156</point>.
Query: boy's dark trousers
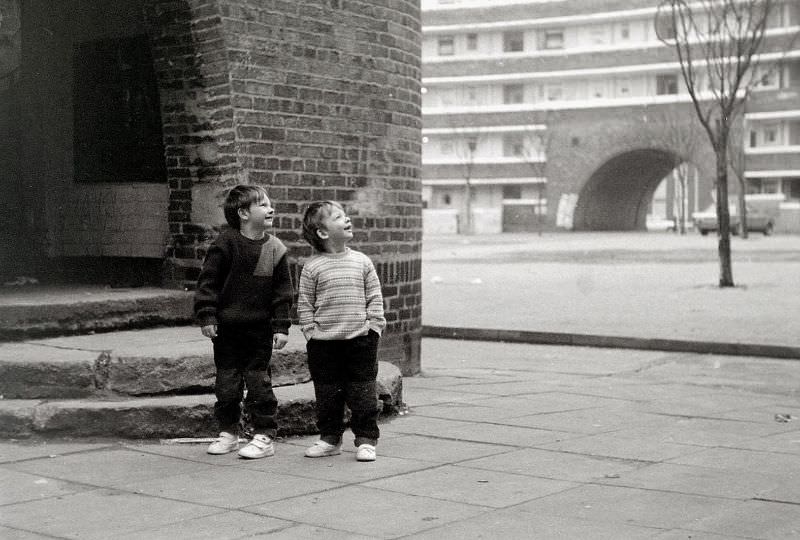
<point>242,353</point>
<point>344,372</point>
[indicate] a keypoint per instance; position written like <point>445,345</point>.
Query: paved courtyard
<point>499,440</point>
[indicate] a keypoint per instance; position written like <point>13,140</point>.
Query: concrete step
<point>175,360</point>
<point>166,416</point>
<point>142,384</point>
<point>31,312</point>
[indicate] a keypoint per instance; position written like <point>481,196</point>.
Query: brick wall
<point>313,100</point>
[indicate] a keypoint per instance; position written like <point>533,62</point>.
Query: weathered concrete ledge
<point>131,363</point>
<point>168,416</point>
<point>60,312</point>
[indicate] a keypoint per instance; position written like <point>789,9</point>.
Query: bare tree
<point>535,145</point>
<point>466,145</point>
<point>717,43</point>
<point>679,133</point>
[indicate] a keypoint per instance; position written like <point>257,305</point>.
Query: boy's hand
<point>209,330</point>
<point>279,340</point>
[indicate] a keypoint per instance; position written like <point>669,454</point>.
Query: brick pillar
<point>313,100</point>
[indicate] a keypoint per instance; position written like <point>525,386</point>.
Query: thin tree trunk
<point>723,211</point>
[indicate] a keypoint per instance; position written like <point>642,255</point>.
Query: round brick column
<point>313,100</point>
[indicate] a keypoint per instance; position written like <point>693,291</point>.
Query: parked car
<point>757,221</point>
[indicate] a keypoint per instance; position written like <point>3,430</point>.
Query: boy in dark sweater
<point>242,303</point>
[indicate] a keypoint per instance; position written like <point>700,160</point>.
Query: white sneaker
<point>259,447</point>
<point>323,449</point>
<point>225,443</point>
<point>366,452</point>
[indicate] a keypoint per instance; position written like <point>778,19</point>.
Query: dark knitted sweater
<point>244,281</point>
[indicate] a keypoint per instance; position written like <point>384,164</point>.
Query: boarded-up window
<point>117,114</point>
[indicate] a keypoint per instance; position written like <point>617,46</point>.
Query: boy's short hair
<point>239,197</point>
<point>312,221</point>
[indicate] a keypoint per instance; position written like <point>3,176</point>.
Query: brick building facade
<point>130,119</point>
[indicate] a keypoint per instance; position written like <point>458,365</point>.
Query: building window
<point>598,90</point>
<point>553,92</point>
<point>513,93</point>
<point>598,35</point>
<point>666,84</point>
<point>472,94</point>
<point>513,146</point>
<point>753,139</point>
<point>624,31</point>
<point>447,46</point>
<point>513,41</point>
<point>553,39</point>
<point>771,137</point>
<point>447,97</point>
<point>768,78</point>
<point>664,28</point>
<point>512,191</point>
<point>624,87</point>
<point>472,42</point>
<point>447,199</point>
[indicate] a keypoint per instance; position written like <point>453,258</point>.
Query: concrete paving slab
<point>33,449</point>
<point>736,459</point>
<point>788,491</point>
<point>224,524</point>
<point>504,434</point>
<point>107,467</point>
<point>437,450</point>
<point>647,508</point>
<point>703,431</point>
<point>554,465</point>
<point>614,445</point>
<point>480,487</point>
<point>427,396</point>
<point>342,469</point>
<point>515,523</point>
<point>89,515</point>
<point>17,534</point>
<point>782,443</point>
<point>310,532</point>
<point>21,487</point>
<point>681,534</point>
<point>754,519</point>
<point>698,481</point>
<point>237,488</point>
<point>468,412</point>
<point>368,511</point>
<point>587,421</point>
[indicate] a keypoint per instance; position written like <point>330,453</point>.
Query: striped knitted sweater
<point>339,296</point>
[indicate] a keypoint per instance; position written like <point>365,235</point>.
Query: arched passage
<point>617,195</point>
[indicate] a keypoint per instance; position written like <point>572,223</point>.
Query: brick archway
<point>616,196</point>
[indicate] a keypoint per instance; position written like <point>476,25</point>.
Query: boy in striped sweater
<point>340,311</point>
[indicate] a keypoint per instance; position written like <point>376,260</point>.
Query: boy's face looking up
<point>336,229</point>
<point>257,217</point>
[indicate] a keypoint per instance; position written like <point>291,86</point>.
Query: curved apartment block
<point>567,113</point>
